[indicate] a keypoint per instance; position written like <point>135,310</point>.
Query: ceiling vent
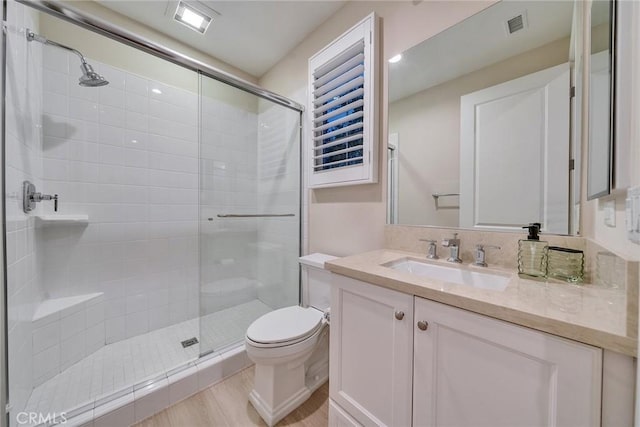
<point>517,23</point>
<point>193,14</point>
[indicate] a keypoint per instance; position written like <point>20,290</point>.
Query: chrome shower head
<point>90,78</point>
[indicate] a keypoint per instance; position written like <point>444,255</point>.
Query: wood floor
<point>227,404</point>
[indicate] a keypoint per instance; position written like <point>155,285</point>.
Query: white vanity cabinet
<point>472,370</point>
<point>436,365</point>
<point>371,352</point>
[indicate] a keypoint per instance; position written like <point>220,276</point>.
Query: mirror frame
<point>609,164</point>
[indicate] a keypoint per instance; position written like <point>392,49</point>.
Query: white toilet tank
<point>316,281</point>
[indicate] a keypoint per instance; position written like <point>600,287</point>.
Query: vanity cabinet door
<point>371,352</point>
<point>472,370</point>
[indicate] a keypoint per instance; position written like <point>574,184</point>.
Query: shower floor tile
<point>125,363</point>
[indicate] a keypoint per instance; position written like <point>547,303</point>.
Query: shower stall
<point>161,214</point>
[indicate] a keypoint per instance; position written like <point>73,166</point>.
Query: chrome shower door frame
<point>4,333</point>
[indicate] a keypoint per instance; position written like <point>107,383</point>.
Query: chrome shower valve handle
<point>30,197</point>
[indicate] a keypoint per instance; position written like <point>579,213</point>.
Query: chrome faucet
<point>431,249</point>
<point>480,255</point>
<point>454,246</point>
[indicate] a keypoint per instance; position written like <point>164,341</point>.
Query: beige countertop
<point>593,315</point>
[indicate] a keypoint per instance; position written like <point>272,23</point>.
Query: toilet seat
<point>285,326</point>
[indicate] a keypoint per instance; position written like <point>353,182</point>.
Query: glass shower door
<point>249,211</point>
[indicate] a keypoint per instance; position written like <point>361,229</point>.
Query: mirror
<point>480,118</point>
<point>600,100</point>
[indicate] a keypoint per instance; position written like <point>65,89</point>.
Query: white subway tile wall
<point>24,104</point>
<point>128,158</point>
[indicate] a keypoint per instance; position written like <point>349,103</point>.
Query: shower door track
<point>101,26</point>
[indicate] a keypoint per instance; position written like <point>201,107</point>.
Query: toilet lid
<point>284,325</point>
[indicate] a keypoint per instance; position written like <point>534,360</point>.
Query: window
<point>343,108</point>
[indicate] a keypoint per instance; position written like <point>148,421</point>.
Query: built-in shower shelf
<point>53,219</point>
<point>53,309</point>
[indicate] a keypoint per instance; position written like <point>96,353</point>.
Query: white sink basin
<point>460,276</point>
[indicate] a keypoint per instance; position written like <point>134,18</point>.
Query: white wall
<point>347,220</point>
<point>23,161</point>
<point>428,126</point>
<point>127,157</point>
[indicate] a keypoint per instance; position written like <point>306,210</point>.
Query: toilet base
<point>279,389</point>
<point>272,415</point>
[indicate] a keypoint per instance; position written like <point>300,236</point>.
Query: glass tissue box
<point>565,264</point>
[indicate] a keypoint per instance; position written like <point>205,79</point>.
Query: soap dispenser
<point>533,253</point>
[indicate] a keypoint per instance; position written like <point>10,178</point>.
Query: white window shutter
<point>343,109</point>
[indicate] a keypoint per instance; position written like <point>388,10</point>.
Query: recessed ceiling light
<point>395,59</point>
<point>156,90</point>
<point>192,17</point>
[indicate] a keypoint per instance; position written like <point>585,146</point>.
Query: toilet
<point>290,346</point>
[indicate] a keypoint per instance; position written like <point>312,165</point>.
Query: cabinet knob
<point>399,315</point>
<point>423,325</point>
